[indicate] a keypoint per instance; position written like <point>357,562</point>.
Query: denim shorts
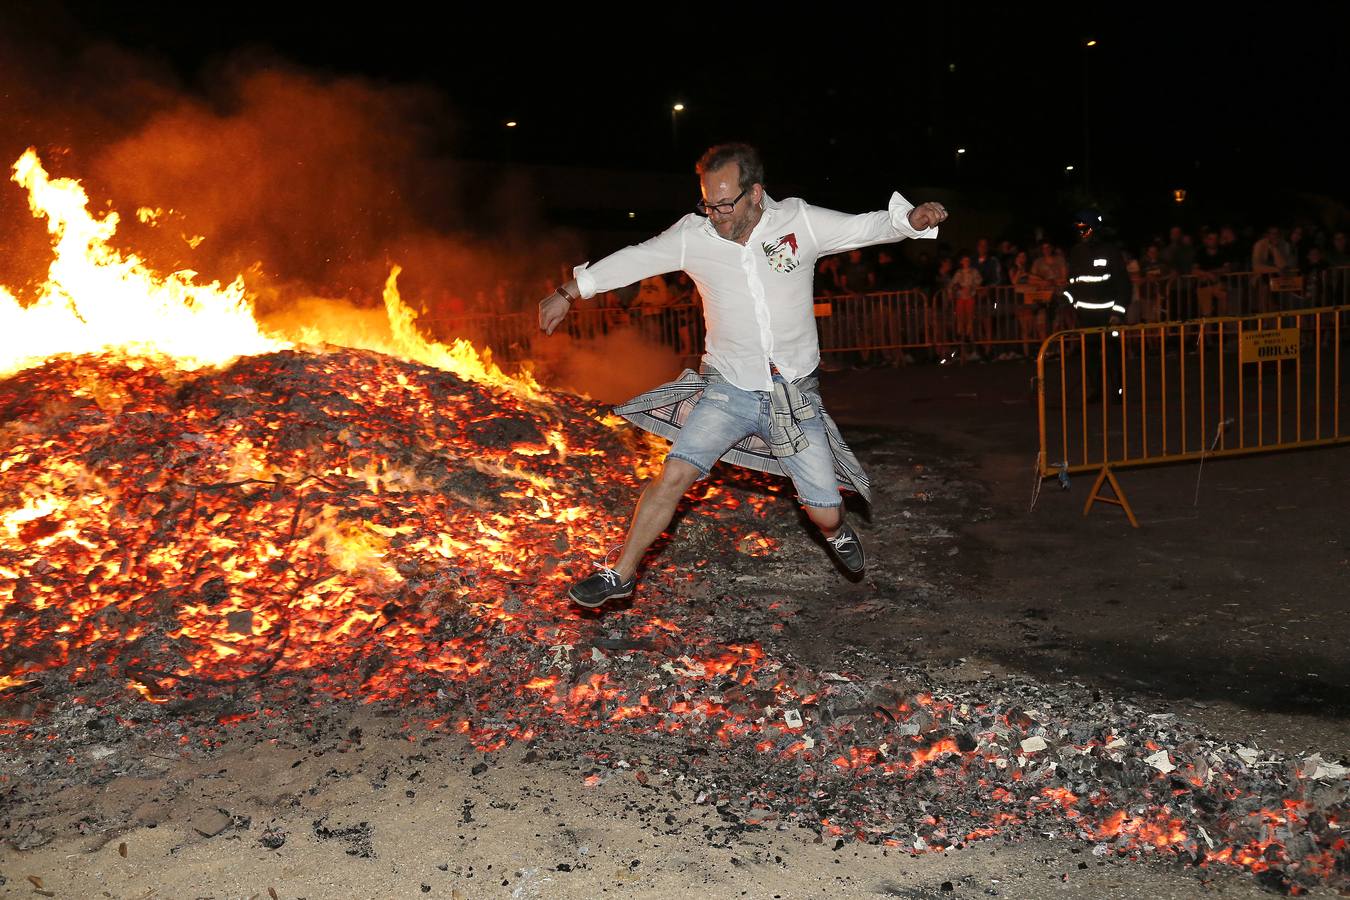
<point>725,414</point>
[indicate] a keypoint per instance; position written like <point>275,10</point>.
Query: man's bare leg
<point>654,511</point>
<point>827,519</point>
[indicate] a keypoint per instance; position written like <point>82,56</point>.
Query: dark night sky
<point>1237,111</point>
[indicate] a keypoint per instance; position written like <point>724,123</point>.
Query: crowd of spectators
<point>1213,271</point>
<point>1014,285</point>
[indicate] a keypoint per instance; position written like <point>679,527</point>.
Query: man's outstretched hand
<point>552,310</point>
<point>926,215</point>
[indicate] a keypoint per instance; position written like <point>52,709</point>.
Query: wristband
<point>565,295</point>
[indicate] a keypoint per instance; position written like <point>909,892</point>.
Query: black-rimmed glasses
<point>726,209</point>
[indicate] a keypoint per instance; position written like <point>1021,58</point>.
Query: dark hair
<point>743,155</point>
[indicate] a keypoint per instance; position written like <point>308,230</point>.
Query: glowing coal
<point>301,495</point>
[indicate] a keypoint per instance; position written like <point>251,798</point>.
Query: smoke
<point>59,100</point>
<point>611,368</point>
<point>309,184</point>
<point>312,186</point>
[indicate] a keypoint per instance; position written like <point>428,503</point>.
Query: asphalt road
<point>1230,602</point>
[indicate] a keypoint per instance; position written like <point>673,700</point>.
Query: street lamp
<point>675,125</point>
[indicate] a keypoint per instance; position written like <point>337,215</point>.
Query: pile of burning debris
<point>182,552</point>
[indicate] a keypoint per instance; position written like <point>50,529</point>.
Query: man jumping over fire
<point>755,401</point>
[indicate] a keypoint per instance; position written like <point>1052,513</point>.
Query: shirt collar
<point>770,208</point>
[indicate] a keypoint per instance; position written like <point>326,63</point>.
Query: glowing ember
<point>287,514</point>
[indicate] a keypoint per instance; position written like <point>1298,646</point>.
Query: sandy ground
<point>389,818</point>
<point>1232,614</point>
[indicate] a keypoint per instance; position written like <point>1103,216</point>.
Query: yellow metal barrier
<point>1135,395</point>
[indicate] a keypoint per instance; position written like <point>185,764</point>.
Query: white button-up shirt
<point>757,297</point>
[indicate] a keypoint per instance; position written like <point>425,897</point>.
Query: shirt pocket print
<point>782,254</point>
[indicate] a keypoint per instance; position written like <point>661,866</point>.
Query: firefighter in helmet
<point>1099,291</point>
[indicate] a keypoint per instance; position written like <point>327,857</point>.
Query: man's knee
<point>826,518</point>
<point>678,476</point>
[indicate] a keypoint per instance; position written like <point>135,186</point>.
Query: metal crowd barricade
<point>1335,286</point>
<point>678,328</point>
<point>1136,395</point>
<point>1201,295</point>
<point>1005,317</point>
<point>516,336</point>
<point>883,325</point>
<point>886,326</point>
<point>501,333</point>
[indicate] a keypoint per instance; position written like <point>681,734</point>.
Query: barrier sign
<point>1286,283</point>
<point>1268,344</point>
<point>1031,294</point>
<point>824,310</point>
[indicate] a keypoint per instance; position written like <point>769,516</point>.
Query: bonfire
<point>203,522</point>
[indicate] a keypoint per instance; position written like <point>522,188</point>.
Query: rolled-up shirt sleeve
<point>655,256</point>
<point>836,231</point>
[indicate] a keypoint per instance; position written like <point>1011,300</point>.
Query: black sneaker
<point>601,587</point>
<point>848,550</point>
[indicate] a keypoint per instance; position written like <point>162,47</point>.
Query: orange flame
<point>97,299</point>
